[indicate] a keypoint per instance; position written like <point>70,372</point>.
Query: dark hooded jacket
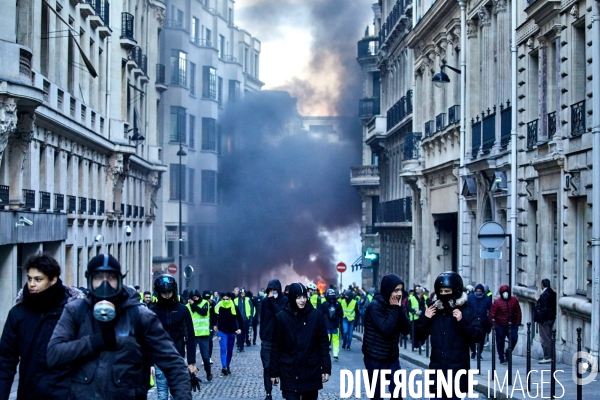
<point>481,306</point>
<point>333,317</point>
<point>450,339</point>
<point>505,311</point>
<point>545,307</point>
<point>24,341</point>
<point>300,353</point>
<point>270,307</point>
<point>98,372</point>
<point>177,321</point>
<point>384,323</point>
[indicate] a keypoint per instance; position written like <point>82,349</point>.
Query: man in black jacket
<point>332,310</point>
<point>28,329</point>
<point>107,337</point>
<point>300,354</point>
<point>273,304</point>
<point>453,325</point>
<point>385,321</point>
<point>545,315</point>
<point>177,321</point>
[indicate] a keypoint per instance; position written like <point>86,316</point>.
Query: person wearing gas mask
<point>332,310</point>
<point>452,325</point>
<point>200,312</point>
<point>177,321</point>
<point>300,353</point>
<point>505,309</point>
<point>273,303</point>
<point>28,329</point>
<point>110,341</point>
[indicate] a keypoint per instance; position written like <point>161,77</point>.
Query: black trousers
<point>314,395</point>
<point>265,357</point>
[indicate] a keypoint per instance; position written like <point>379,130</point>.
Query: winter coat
<point>177,321</point>
<point>227,322</point>
<point>505,311</point>
<point>545,307</point>
<point>481,307</point>
<point>24,341</point>
<point>334,322</point>
<point>300,352</point>
<point>118,374</point>
<point>383,325</point>
<point>270,307</point>
<point>450,339</point>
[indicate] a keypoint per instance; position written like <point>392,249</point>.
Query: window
<point>245,60</point>
<point>178,67</point>
<point>256,65</point>
<point>177,124</point>
<point>207,239</point>
<point>190,242</point>
<point>194,30</point>
<point>170,243</point>
<point>209,134</point>
<point>60,96</point>
<point>176,182</point>
<point>221,46</point>
<point>581,245</point>
<point>192,133</point>
<point>191,183</point>
<point>192,79</point>
<point>230,16</point>
<point>220,91</point>
<point>209,83</point>
<point>234,91</point>
<point>208,37</point>
<point>179,18</point>
<point>209,186</point>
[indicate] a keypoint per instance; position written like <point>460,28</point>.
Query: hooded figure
<point>505,310</point>
<point>481,304</point>
<point>332,310</point>
<point>273,303</point>
<point>300,354</point>
<point>452,325</point>
<point>350,307</point>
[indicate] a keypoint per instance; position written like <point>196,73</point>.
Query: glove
<point>195,382</point>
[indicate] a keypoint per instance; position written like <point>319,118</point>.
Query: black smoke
<point>279,185</point>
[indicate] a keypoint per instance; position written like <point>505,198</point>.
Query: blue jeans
<point>501,334</point>
<point>226,341</point>
<point>347,328</point>
<point>162,387</point>
<point>371,365</point>
<point>202,342</point>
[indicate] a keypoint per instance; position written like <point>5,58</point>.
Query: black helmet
<point>165,283</point>
<point>449,279</point>
<point>195,293</point>
<point>206,294</point>
<point>104,263</point>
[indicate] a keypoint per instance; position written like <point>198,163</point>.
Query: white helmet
<point>311,286</point>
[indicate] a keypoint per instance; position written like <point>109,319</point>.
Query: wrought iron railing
<point>412,146</point>
<point>505,124</point>
<point>136,56</point>
<point>144,65</point>
<point>4,194</point>
<point>429,128</point>
<point>59,202</point>
<point>453,114</point>
<point>368,107</point>
<point>475,136</point>
<point>173,23</point>
<point>104,11</point>
<point>92,206</point>
<point>71,204</point>
<point>532,134</point>
<point>228,58</point>
<point>409,104</point>
<point>367,48</point>
<point>440,122</point>
<point>25,63</point>
<point>29,198</point>
<point>160,73</point>
<point>578,118</point>
<point>488,127</point>
<point>82,205</point>
<point>126,26</point>
<point>364,171</point>
<point>551,124</point>
<point>371,230</point>
<point>45,201</point>
<point>396,210</point>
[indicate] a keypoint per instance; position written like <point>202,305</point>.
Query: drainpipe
<point>595,183</point>
<point>463,111</point>
<point>513,145</point>
<point>107,124</point>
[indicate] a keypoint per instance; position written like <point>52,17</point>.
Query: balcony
<point>398,14</point>
<point>127,40</point>
<point>399,111</point>
<point>364,175</point>
<point>475,136</point>
<point>368,108</point>
<point>396,210</point>
<point>100,207</point>
<point>440,122</point>
<point>82,205</point>
<point>551,124</point>
<point>93,204</point>
<point>371,230</point>
<point>532,134</point>
<point>45,201</point>
<point>160,81</point>
<point>29,198</point>
<point>87,8</point>
<point>71,204</point>
<point>228,59</point>
<point>578,118</point>
<point>367,48</point>
<point>135,60</point>
<point>412,146</point>
<point>144,64</point>
<point>59,202</point>
<point>453,114</point>
<point>4,194</point>
<point>488,127</point>
<point>102,10</point>
<point>173,24</point>
<point>429,128</point>
<point>505,124</point>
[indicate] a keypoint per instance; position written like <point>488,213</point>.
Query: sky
<point>309,49</point>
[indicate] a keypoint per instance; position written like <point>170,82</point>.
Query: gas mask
<point>104,311</point>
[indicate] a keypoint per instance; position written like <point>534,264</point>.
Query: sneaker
<point>486,344</point>
<point>503,362</point>
<point>336,359</point>
<point>545,361</point>
<point>343,347</point>
<point>211,361</point>
<point>228,371</point>
<point>423,348</point>
<point>480,358</point>
<point>209,377</point>
<point>473,355</point>
<point>224,372</point>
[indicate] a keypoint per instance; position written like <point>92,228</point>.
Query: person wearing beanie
<point>481,304</point>
<point>28,329</point>
<point>452,325</point>
<point>505,310</point>
<point>107,339</point>
<point>228,323</point>
<point>300,353</point>
<point>385,321</point>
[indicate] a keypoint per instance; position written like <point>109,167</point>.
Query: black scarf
<point>46,300</point>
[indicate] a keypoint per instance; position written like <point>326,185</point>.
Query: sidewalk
<point>519,365</point>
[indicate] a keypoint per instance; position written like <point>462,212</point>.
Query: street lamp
<point>180,153</point>
<point>441,79</point>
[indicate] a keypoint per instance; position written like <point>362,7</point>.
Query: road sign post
<point>491,236</point>
<point>172,269</point>
<point>341,268</point>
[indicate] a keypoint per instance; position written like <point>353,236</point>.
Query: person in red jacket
<point>505,309</point>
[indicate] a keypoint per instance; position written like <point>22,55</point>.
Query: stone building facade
<point>207,62</point>
<point>554,175</point>
<point>78,136</point>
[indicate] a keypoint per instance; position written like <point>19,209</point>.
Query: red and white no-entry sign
<point>172,269</point>
<point>340,267</point>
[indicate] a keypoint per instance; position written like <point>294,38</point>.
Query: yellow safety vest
<point>247,306</point>
<point>370,297</point>
<point>201,322</point>
<point>141,297</point>
<point>414,304</point>
<point>349,310</point>
<point>315,298</point>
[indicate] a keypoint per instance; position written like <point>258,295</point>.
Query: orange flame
<point>321,286</point>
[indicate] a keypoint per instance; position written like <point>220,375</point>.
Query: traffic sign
<point>491,235</point>
<point>172,269</point>
<point>340,267</point>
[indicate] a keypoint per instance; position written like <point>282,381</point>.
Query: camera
<point>98,238</point>
<point>24,222</point>
<point>127,230</point>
